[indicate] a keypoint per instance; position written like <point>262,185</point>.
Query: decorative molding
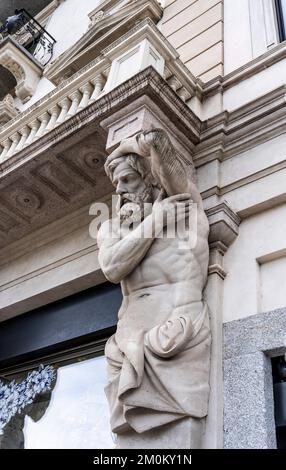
<point>148,81</point>
<point>7,109</point>
<point>25,69</point>
<point>224,224</point>
<point>103,8</point>
<point>217,269</point>
<point>230,133</point>
<point>113,24</point>
<point>9,100</point>
<point>47,234</point>
<point>251,68</point>
<point>92,250</point>
<point>223,136</point>
<point>93,74</point>
<point>96,18</point>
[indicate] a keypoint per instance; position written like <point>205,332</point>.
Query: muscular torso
<point>172,274</point>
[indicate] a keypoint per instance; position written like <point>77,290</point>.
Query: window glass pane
<point>282,8</point>
<point>77,415</point>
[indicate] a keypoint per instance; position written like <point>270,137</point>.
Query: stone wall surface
<point>195,29</point>
<point>248,386</point>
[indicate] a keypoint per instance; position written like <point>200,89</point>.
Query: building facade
<point>212,74</point>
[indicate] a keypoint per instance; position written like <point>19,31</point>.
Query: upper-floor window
<point>281,18</point>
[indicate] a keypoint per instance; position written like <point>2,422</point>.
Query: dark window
<point>76,320</point>
<point>279,383</point>
<point>281,18</point>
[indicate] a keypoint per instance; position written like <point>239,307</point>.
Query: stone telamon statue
<point>159,357</point>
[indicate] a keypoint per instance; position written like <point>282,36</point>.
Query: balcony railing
<point>28,33</point>
<point>89,84</point>
<point>55,108</point>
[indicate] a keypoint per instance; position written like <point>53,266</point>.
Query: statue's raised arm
<point>168,168</point>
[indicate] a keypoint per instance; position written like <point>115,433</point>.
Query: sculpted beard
<point>132,207</point>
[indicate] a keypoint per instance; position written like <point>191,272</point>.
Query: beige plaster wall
<point>195,29</point>
<point>256,265</point>
<point>250,29</point>
<point>248,178</point>
<point>253,185</point>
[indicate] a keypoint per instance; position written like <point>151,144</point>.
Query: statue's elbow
<point>111,274</point>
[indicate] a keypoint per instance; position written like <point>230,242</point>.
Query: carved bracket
<point>224,223</point>
<point>7,109</point>
<point>141,115</point>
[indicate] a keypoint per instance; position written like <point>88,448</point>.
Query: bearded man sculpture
<point>159,357</point>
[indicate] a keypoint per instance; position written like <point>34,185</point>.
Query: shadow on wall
<point>7,83</point>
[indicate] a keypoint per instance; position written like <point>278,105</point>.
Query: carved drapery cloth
<point>172,358</point>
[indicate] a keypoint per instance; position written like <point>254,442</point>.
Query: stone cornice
<point>224,223</point>
<point>253,177</point>
<point>146,82</point>
<point>231,133</point>
<point>247,70</point>
<point>222,136</point>
<point>138,30</point>
<point>49,267</point>
<point>100,36</point>
<point>224,226</point>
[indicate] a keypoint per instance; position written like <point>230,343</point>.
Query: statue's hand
<point>128,146</point>
<point>171,209</point>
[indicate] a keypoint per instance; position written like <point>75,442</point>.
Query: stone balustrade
<point>55,112</point>
<point>145,44</point>
<point>37,124</point>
